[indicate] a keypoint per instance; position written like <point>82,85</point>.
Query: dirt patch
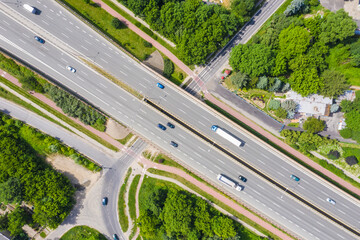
<point>155,61</point>
<point>116,130</point>
<point>77,174</point>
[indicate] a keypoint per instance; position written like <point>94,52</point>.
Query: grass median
<point>123,218</point>
<point>132,197</point>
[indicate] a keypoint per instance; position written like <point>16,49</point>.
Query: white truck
<point>30,8</point>
<point>229,182</point>
<point>227,136</point>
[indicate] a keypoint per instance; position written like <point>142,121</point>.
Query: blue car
<point>295,178</point>
<point>174,144</point>
<point>162,127</point>
<point>160,85</point>
<point>39,39</point>
<point>104,201</point>
<point>115,237</point>
<point>170,125</point>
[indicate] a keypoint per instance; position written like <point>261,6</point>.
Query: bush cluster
<point>168,68</point>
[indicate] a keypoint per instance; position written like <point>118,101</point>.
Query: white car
<point>71,69</point>
<point>331,201</point>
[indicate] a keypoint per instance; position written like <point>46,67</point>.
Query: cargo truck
<point>229,182</point>
<point>227,136</point>
<point>30,8</point>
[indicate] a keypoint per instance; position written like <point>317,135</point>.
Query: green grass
<point>123,219</point>
<point>58,114</point>
<point>132,197</point>
<point>126,139</point>
<point>169,185</point>
<point>82,233</point>
<point>294,124</point>
<point>99,18</point>
<point>323,163</point>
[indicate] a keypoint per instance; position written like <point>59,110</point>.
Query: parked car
<point>160,85</point>
<point>104,201</point>
<point>170,125</point>
<point>162,127</point>
<point>295,178</point>
<point>115,237</point>
<point>174,144</point>
<point>39,39</point>
<point>242,178</point>
<point>331,201</point>
<point>71,69</point>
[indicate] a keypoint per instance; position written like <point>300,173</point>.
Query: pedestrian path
<point>149,164</point>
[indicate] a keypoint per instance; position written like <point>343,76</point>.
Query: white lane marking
<point>276,204</point>
<point>185,105</point>
<point>6,22</point>
<point>110,48</point>
<point>182,136</point>
<point>281,174</point>
<point>204,166</point>
<point>301,187</point>
<point>146,80</point>
<point>137,115</point>
<point>221,161</point>
<point>84,47</point>
<point>341,211</point>
<point>202,123</point>
<point>64,35</point>
<point>103,85</point>
<point>197,154</point>
<point>123,98</point>
<point>205,118</point>
<point>316,229</point>
<point>198,163</point>
<point>300,211</point>
<point>83,31</point>
<point>64,19</point>
<point>181,110</point>
<point>277,213</point>
<point>201,149</point>
<point>80,78</point>
<point>71,23</point>
<point>265,156</point>
<point>152,133</point>
<point>284,168</point>
<point>216,166</point>
<point>118,103</point>
<point>21,40</point>
<point>320,223</point>
<point>108,55</point>
<point>103,44</point>
<point>113,108</point>
<point>211,171</point>
<point>41,53</point>
<point>260,160</point>
<point>45,6</point>
<point>62,59</point>
<point>123,73</point>
<point>87,42</point>
<point>3,28</point>
<point>305,181</point>
<point>296,217</point>
<point>51,10</point>
<point>255,191</point>
<point>26,35</point>
<point>104,60</point>
<point>320,198</point>
<point>141,110</point>
<point>260,186</point>
<point>340,236</point>
<point>142,85</point>
<point>45,22</point>
<point>99,91</point>
<point>84,73</point>
<point>68,29</point>
<point>126,67</point>
<point>90,35</point>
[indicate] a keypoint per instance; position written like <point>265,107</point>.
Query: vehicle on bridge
<point>229,182</point>
<point>234,140</point>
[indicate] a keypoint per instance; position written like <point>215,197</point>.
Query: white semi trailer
<point>229,182</point>
<point>227,136</point>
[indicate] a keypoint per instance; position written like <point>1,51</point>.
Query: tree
<point>351,160</point>
<point>295,7</point>
<point>276,85</point>
<point>314,125</point>
<point>254,60</point>
<point>168,68</point>
<point>281,113</point>
<point>333,154</point>
<point>334,108</point>
<point>346,133</point>
<point>262,83</point>
<point>223,227</point>
<point>294,41</point>
<point>242,9</point>
<point>148,224</point>
<point>305,81</point>
<point>346,106</point>
<point>116,23</point>
<point>4,221</point>
<point>31,83</point>
<point>337,27</point>
<point>352,120</point>
<point>17,219</point>
<point>10,191</point>
<point>334,83</point>
<point>274,104</point>
<point>239,80</point>
<point>289,105</point>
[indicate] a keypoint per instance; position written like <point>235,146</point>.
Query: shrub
<point>262,83</point>
<point>181,76</point>
<point>138,24</point>
<point>286,87</point>
<point>314,2</point>
<point>290,115</point>
<point>31,83</point>
<point>239,80</point>
<point>116,23</point>
<point>43,235</point>
<point>168,68</point>
<point>351,160</point>
<point>161,160</point>
<point>147,44</point>
<point>314,125</point>
<point>334,108</point>
<point>276,86</point>
<point>295,7</point>
<point>289,105</point>
<point>333,154</point>
<point>346,133</point>
<point>281,113</point>
<point>274,104</point>
<point>356,136</point>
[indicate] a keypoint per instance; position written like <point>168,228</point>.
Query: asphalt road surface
<point>192,151</point>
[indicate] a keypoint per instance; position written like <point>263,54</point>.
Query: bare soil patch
<point>116,130</point>
<point>155,61</point>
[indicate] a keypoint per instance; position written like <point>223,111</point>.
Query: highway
<point>143,120</point>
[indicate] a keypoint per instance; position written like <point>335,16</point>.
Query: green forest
<point>25,176</point>
<point>196,28</point>
<point>312,51</point>
<point>168,212</point>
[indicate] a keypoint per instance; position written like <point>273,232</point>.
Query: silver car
<point>71,69</point>
<point>331,201</point>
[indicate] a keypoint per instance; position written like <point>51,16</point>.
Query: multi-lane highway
<point>65,31</point>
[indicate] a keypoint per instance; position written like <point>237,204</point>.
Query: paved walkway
<point>52,104</point>
<point>222,198</point>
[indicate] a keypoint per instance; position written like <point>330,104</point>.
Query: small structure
<point>313,105</point>
<point>348,95</point>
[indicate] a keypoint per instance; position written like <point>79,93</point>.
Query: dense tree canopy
<point>314,125</point>
<point>334,83</point>
<point>10,191</point>
<point>294,41</point>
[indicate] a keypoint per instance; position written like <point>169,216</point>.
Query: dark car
<point>295,178</point>
<point>39,39</point>
<point>105,201</point>
<point>174,144</point>
<point>160,85</point>
<point>115,237</point>
<point>170,125</point>
<point>162,127</point>
<point>242,178</point>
